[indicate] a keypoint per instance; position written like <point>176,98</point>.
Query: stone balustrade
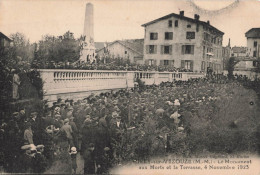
<point>76,84</point>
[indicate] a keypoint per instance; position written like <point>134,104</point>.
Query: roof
<point>136,45</point>
<point>253,33</point>
<point>184,18</point>
<point>239,49</point>
<point>4,36</point>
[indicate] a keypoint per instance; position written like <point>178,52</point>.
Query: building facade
<point>126,49</point>
<point>182,42</point>
<point>239,51</point>
<point>253,42</point>
<point>246,64</point>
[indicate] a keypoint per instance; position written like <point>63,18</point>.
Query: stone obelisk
<point>88,47</point>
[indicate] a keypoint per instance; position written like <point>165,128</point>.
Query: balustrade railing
<point>60,81</point>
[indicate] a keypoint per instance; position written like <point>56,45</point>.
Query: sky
<point>121,19</point>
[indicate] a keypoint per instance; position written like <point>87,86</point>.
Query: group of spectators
<point>112,127</point>
<point>108,66</point>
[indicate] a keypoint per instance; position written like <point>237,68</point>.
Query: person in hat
<point>89,160</point>
<point>63,111</point>
<point>33,120</point>
<point>73,155</point>
<point>57,121</point>
<point>68,130</point>
<point>74,131</point>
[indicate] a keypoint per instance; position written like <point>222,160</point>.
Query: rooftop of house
<point>136,45</point>
<point>253,33</point>
<point>4,36</point>
<point>181,16</point>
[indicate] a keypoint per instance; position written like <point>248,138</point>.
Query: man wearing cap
<point>33,121</point>
<point>57,121</point>
<point>74,131</point>
<point>68,130</point>
<point>63,111</point>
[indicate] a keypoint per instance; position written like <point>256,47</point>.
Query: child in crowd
<point>73,154</point>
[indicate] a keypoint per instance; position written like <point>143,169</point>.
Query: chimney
<point>181,13</point>
<point>196,17</point>
<point>208,22</point>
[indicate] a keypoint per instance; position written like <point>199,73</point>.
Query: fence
<point>60,83</point>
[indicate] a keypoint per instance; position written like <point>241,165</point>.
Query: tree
<point>58,49</point>
<point>230,67</point>
<point>23,48</point>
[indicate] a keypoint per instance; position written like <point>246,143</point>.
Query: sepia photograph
<point>130,87</point>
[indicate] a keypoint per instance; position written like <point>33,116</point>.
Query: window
<point>168,35</point>
<point>255,44</point>
<point>125,52</point>
<point>188,26</point>
<point>188,49</point>
<point>204,49</point>
<point>166,49</point>
<point>166,62</point>
<point>187,64</point>
<point>151,62</point>
<point>254,54</point>
<point>153,36</point>
<point>203,65</point>
<point>255,63</point>
<point>170,23</point>
<point>190,35</point>
<point>176,23</point>
<point>151,49</point>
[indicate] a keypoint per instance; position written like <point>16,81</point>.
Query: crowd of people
<point>125,66</point>
<point>113,127</point>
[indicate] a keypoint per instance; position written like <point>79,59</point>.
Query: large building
<point>253,42</point>
<point>183,42</point>
<point>126,49</point>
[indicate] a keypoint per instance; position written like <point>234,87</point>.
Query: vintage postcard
<point>130,87</point>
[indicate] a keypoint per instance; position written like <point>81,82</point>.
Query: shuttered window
<point>170,23</point>
<point>153,36</point>
<point>187,64</point>
<point>168,35</point>
<point>176,23</point>
<point>203,65</point>
<point>151,49</point>
<point>187,49</point>
<point>190,35</point>
<point>166,49</point>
